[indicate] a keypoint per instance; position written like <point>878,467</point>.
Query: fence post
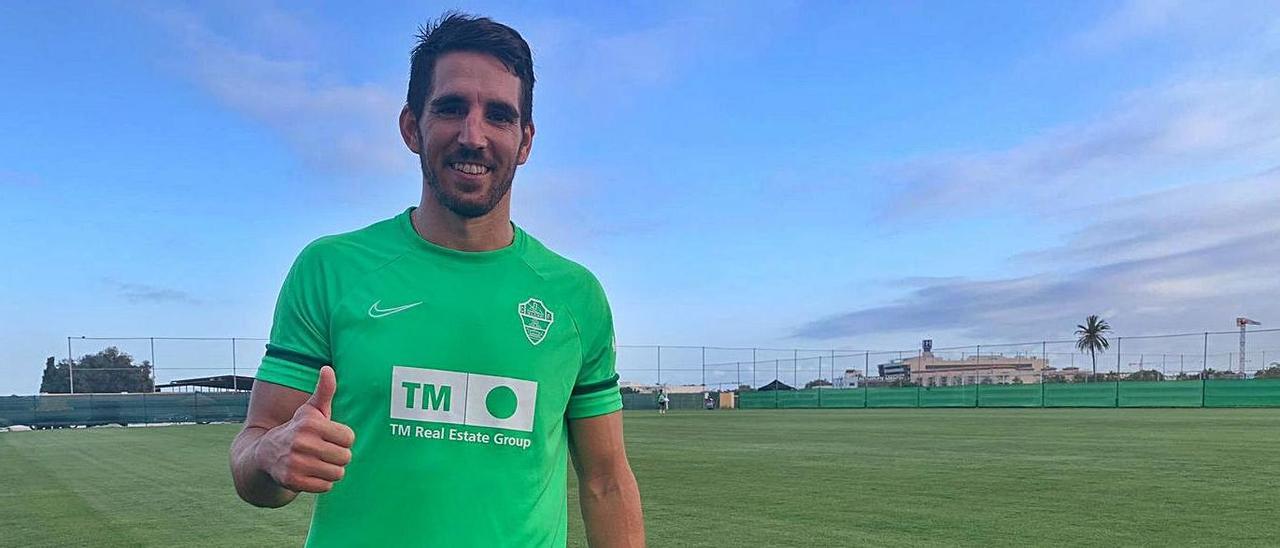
<point>1118,340</point>
<point>1204,366</point>
<point>236,380</point>
<point>977,385</point>
<point>704,368</point>
<point>753,368</point>
<point>659,365</point>
<point>153,363</point>
<point>71,369</point>
<point>866,376</point>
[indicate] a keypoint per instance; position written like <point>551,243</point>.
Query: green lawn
<point>910,477</point>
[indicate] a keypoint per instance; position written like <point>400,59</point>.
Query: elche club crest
<point>536,320</point>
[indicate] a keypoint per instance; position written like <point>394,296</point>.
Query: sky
<point>775,174</point>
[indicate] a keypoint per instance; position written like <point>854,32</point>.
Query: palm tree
<point>1092,337</point>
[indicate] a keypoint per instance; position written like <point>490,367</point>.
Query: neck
<point>438,225</point>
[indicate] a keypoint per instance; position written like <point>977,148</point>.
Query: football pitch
<point>883,477</point>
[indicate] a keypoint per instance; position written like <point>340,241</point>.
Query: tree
<point>55,379</point>
<point>817,382</point>
<point>1092,337</point>
<point>108,371</point>
<point>1272,372</point>
<point>1146,375</point>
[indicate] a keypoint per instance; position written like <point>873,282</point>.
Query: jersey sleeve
<point>596,390</point>
<point>299,344</point>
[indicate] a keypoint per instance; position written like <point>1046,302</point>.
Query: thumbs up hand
<point>310,452</point>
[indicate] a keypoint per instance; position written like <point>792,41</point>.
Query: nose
<point>472,134</point>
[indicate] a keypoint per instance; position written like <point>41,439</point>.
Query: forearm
<point>611,510</point>
<point>253,483</point>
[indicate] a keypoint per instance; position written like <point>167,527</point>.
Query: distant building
<point>927,369</point>
<point>895,368</point>
<point>930,370</point>
<point>852,379</point>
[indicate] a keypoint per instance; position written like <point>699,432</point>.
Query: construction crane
<point>1242,323</point>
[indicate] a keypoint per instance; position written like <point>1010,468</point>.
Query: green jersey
<point>457,372</point>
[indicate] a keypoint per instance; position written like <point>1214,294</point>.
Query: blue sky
<point>814,175</point>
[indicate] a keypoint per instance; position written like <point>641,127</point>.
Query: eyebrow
<point>453,98</point>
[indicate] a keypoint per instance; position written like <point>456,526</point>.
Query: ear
<point>526,144</point>
<point>409,130</point>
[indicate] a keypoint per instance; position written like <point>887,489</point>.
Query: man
<point>431,373</point>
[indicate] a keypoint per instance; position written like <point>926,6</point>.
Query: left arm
<point>607,489</point>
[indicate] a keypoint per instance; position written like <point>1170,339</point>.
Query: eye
<point>447,110</point>
<point>501,117</point>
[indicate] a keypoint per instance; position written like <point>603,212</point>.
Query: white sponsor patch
<point>451,397</point>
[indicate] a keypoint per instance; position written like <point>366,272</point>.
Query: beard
<point>469,207</point>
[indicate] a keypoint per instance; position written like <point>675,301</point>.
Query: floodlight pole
<point>1243,323</point>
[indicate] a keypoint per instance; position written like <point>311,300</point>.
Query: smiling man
<point>431,374</point>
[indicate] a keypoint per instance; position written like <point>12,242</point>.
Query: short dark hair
<point>456,31</point>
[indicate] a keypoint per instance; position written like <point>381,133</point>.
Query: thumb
<point>322,398</point>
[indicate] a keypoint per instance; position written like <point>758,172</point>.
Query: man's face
<point>469,139</point>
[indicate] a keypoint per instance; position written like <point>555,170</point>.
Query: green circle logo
<point>501,402</point>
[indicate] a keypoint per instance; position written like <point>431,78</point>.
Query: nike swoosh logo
<point>376,312</point>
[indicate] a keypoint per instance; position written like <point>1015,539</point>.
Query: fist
<point>310,452</point>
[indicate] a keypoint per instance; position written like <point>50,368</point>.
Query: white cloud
<point>137,293</point>
<point>1174,260</point>
<point>1154,133</point>
<point>337,125</point>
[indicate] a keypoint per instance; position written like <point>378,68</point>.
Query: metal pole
<point>776,382</point>
<point>737,368</point>
<point>1118,339</point>
<point>795,368</point>
<point>236,379</point>
<point>153,363</point>
<point>1204,366</point>
<point>833,366</point>
<point>753,368</point>
<point>704,368</point>
<point>71,369</point>
<point>659,365</point>
<point>977,385</point>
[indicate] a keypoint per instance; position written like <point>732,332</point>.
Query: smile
<point>469,169</point>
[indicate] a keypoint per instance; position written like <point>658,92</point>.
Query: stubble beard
<point>468,209</point>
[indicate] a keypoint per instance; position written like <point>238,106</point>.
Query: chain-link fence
<point>204,379</point>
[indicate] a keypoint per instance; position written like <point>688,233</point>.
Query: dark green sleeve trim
<point>610,382</point>
<point>295,357</point>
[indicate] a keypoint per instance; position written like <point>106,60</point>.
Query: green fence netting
<point>1194,393</point>
<point>101,409</point>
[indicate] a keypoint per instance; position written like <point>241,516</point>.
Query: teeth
<point>470,169</point>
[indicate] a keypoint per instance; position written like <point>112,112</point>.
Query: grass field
<point>910,477</point>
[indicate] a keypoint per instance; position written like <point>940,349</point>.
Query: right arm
<point>289,444</point>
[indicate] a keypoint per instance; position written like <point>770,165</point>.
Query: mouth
<point>469,168</point>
